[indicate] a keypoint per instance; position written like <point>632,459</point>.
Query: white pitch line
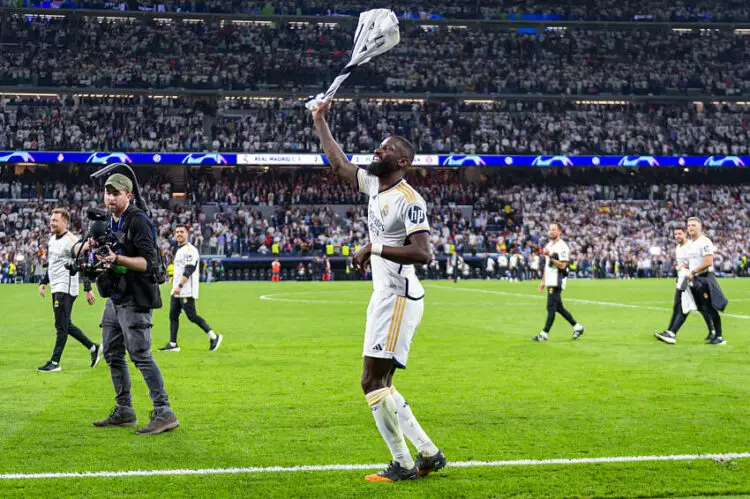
<point>577,300</point>
<point>353,467</point>
<point>280,298</point>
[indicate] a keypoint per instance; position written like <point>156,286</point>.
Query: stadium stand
<point>135,53</point>
<point>609,10</point>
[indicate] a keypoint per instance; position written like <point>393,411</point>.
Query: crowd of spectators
<point>91,52</point>
<point>608,10</point>
<point>615,228</point>
<point>167,124</point>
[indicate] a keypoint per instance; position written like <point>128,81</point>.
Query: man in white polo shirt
<point>706,291</point>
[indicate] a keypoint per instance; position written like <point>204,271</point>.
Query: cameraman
<point>64,288</point>
<point>133,293</point>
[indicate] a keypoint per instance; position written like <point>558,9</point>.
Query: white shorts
<point>392,321</point>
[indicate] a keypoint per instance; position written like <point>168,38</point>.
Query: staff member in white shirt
<point>683,299</point>
<point>64,287</point>
<point>554,279</point>
<point>706,291</point>
<point>185,292</point>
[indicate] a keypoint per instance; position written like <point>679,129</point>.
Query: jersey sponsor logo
<point>415,214</point>
<point>376,225</point>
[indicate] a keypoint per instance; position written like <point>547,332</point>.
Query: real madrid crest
<point>384,211</point>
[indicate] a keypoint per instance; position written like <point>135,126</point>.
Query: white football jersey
<point>681,253</point>
<point>59,252</point>
<point>187,255</point>
<point>394,214</point>
<point>697,249</point>
<point>552,275</point>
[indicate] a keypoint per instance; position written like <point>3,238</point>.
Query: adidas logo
<point>378,348</point>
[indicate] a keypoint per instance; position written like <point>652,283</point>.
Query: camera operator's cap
<point>120,182</point>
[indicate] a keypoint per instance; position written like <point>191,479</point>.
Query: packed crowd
<point>609,10</point>
<point>434,126</point>
<point>72,123</point>
<point>613,229</point>
<point>82,52</point>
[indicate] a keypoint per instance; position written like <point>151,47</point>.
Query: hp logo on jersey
<point>415,215</point>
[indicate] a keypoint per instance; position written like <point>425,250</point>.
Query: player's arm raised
<point>418,252</point>
<point>340,165</point>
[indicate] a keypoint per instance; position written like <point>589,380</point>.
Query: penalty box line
<point>353,467</point>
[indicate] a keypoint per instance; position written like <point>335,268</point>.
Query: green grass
<point>283,390</point>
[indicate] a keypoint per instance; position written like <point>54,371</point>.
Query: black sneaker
<point>393,473</point>
<point>119,416</point>
<point>578,332</point>
<point>96,355</point>
<point>49,367</point>
<point>710,337</point>
<point>169,348</point>
<point>540,337</point>
<point>161,420</point>
<point>717,340</point>
<point>214,345</point>
<point>666,337</point>
<point>426,465</point>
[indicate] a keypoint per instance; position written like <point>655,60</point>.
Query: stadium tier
<point>210,54</point>
<point>451,128</point>
<point>609,10</point>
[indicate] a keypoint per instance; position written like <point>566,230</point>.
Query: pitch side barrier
<point>258,268</point>
<point>421,160</point>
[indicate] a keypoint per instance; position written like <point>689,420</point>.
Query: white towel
<point>377,33</point>
<point>688,302</point>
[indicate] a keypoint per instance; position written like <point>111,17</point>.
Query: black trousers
<point>62,305</point>
<point>177,305</point>
<point>555,305</point>
<point>702,295</point>
<point>679,318</point>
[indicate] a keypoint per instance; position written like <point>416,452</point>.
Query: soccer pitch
<point>283,391</point>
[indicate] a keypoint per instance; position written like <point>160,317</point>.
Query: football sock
<point>386,418</point>
<point>410,426</point>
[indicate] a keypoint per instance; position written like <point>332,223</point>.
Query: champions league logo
<point>458,160</point>
<point>638,161</point>
<point>204,159</point>
<point>552,161</point>
<point>724,161</point>
<point>17,157</point>
<point>105,158</point>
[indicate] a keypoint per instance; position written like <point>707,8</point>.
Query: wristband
<point>117,259</point>
<point>376,249</point>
